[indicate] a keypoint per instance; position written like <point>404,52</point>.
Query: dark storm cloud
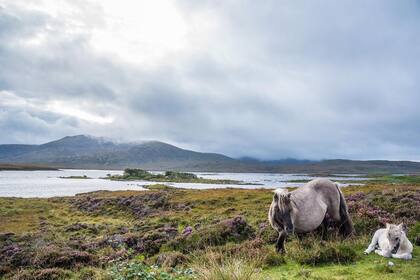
<point>272,80</point>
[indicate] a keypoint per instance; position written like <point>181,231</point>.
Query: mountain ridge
<point>90,152</point>
<point>97,152</point>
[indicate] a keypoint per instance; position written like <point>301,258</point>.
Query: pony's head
<point>284,209</point>
<point>394,235</point>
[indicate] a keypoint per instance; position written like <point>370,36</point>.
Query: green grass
<point>367,267</point>
<point>396,179</point>
<point>380,179</point>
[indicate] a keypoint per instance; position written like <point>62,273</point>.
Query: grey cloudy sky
<point>268,79</point>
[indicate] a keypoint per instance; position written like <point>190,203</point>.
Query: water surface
<point>49,184</point>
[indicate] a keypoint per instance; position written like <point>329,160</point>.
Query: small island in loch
<point>132,174</point>
<point>75,177</point>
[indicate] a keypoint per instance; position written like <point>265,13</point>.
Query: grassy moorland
<point>169,176</point>
<point>372,179</point>
<point>167,233</point>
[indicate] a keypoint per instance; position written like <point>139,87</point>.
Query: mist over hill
<point>84,151</point>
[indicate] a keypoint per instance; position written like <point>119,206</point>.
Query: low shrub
<point>13,256</point>
<point>42,274</point>
<point>180,175</point>
<point>170,259</point>
<point>54,256</point>
<point>230,230</point>
<point>91,273</point>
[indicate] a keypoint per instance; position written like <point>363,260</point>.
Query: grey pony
<point>305,209</point>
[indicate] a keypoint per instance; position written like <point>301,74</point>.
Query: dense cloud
<point>277,79</point>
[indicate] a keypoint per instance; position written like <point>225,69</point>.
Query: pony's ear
<point>403,227</point>
<point>387,225</point>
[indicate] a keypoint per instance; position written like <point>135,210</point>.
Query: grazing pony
<point>391,242</point>
<point>305,209</point>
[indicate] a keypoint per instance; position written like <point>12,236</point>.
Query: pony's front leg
<point>384,253</point>
<point>280,242</point>
<point>373,243</point>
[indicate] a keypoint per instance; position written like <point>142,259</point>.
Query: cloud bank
<point>268,80</point>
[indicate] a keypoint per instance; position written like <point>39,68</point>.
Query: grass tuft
<point>214,266</point>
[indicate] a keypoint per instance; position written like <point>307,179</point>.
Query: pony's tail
<point>346,224</point>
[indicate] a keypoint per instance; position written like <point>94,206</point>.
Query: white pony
<point>391,242</point>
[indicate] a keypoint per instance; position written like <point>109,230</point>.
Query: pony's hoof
<point>281,251</point>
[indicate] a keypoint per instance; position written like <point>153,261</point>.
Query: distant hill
<point>83,151</point>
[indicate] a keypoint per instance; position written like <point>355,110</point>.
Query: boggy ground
<point>204,234</point>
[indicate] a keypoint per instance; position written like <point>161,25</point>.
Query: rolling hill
<point>83,151</point>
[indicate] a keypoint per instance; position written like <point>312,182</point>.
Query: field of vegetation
<point>168,233</point>
<point>169,176</point>
<point>21,167</point>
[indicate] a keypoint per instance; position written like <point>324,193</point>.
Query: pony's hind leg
<point>327,224</point>
<point>405,256</point>
<point>321,230</point>
<point>346,228</point>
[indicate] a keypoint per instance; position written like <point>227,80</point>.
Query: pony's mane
<point>281,192</point>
